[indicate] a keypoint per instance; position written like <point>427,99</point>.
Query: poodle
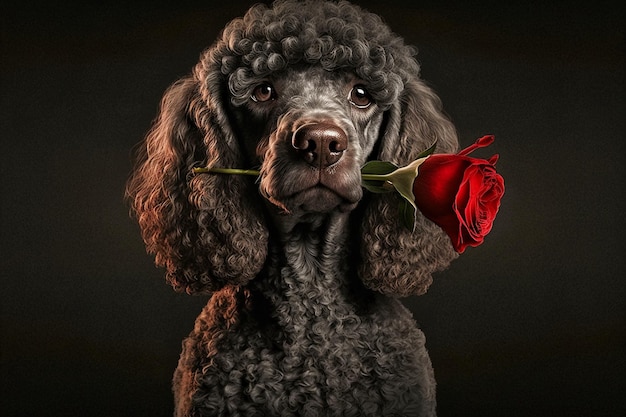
<point>304,269</point>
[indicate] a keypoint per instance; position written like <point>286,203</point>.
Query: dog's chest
<point>312,362</point>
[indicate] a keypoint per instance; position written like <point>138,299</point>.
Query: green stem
<point>375,177</point>
<point>234,171</point>
<point>255,173</point>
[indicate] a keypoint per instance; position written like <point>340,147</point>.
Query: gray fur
<point>303,268</point>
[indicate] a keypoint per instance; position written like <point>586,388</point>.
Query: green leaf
<point>378,187</point>
<point>407,213</point>
<point>378,168</point>
<point>427,151</point>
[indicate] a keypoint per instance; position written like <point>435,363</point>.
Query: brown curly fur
<point>298,321</point>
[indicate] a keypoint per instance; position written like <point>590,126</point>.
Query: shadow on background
<point>532,323</point>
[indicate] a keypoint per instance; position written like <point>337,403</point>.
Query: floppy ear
<point>205,229</point>
<point>394,260</point>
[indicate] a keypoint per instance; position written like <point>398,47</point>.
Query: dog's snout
<point>320,144</point>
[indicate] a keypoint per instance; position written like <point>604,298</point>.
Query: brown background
<point>532,323</point>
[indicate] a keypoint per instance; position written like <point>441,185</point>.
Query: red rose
<point>460,194</point>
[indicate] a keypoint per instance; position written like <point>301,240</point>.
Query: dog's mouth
<point>322,199</point>
<point>318,195</point>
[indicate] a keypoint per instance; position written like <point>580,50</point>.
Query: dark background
<point>532,323</point>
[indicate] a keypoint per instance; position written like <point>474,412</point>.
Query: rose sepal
<point>384,177</point>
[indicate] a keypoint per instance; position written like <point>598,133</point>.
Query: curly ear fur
<point>394,260</point>
<point>201,228</point>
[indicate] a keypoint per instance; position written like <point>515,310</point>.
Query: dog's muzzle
<point>311,168</point>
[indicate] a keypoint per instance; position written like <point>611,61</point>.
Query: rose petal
<point>460,194</point>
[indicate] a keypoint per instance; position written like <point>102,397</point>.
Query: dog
<point>304,268</point>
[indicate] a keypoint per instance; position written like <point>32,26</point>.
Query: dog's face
<point>310,130</point>
<point>307,92</point>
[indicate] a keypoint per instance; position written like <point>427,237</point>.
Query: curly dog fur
<point>304,271</point>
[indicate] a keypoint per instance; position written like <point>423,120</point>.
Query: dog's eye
<point>263,92</point>
<point>359,97</point>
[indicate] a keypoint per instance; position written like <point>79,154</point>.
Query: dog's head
<point>306,92</point>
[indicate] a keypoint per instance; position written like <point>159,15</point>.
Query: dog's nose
<point>320,144</point>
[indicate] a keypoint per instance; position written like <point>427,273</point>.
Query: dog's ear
<point>394,260</point>
<point>205,229</point>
